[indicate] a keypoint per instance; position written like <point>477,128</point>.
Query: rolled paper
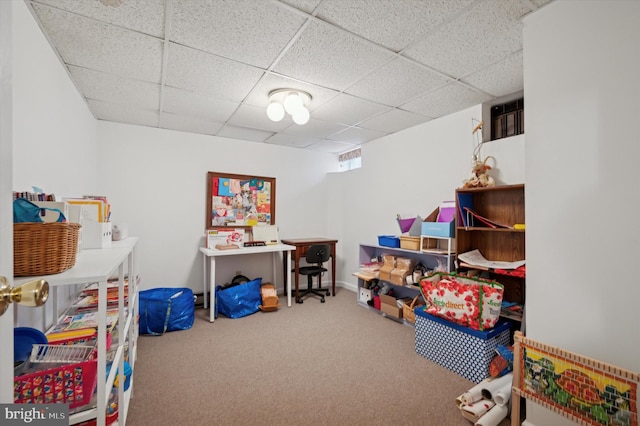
<point>493,417</point>
<point>477,409</point>
<point>459,402</point>
<point>471,396</point>
<point>474,394</point>
<point>494,385</point>
<point>469,416</point>
<point>502,396</point>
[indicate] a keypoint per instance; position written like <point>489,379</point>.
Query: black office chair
<point>316,256</point>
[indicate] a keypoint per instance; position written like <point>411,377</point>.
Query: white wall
<point>581,63</point>
<point>54,134</point>
<point>156,183</point>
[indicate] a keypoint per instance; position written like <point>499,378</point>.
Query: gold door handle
<point>33,293</point>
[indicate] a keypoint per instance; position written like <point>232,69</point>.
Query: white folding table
<point>209,263</point>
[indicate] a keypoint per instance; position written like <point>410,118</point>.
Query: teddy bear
<point>479,176</point>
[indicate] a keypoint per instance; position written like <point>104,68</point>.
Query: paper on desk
<point>475,258</point>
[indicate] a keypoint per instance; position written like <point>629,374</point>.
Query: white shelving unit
<point>430,259</point>
<point>426,245</point>
<point>97,266</point>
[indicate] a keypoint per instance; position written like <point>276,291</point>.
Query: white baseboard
<point>347,286</point>
<point>527,423</point>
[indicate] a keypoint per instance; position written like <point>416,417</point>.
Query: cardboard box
<point>385,272</point>
<point>463,350</point>
<point>389,305</point>
<point>388,264</point>
<point>225,237</point>
<point>431,227</point>
<point>399,276</point>
<point>405,263</point>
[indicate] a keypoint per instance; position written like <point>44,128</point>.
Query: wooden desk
<point>301,245</point>
<point>209,257</point>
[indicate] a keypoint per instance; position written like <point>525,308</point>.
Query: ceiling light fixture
<point>292,101</point>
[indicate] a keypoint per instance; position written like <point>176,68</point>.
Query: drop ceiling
<point>372,67</point>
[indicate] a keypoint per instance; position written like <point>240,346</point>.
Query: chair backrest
<point>318,253</point>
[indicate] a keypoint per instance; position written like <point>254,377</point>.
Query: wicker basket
<point>44,248</point>
<point>408,307</point>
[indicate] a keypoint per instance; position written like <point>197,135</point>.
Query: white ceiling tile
<point>189,124</point>
<point>252,32</point>
<point>112,88</point>
<point>357,135</point>
<point>210,75</point>
<point>259,96</point>
<point>330,58</point>
<point>123,113</point>
<point>394,121</point>
<point>501,79</point>
<point>306,6</point>
<point>335,147</point>
<point>347,109</point>
<point>145,16</point>
<point>183,102</point>
<point>91,44</point>
<point>256,117</point>
<point>290,140</point>
<point>540,3</point>
<point>350,55</point>
<point>390,23</point>
<point>451,98</point>
<point>244,133</point>
<point>490,31</point>
<point>316,128</point>
<point>397,82</point>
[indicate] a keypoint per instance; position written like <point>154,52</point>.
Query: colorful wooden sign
<point>582,389</point>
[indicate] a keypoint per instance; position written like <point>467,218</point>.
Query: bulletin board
<point>585,390</point>
<point>240,200</point>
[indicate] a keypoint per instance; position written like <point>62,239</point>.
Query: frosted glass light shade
<point>293,103</point>
<point>275,111</point>
<point>301,116</point>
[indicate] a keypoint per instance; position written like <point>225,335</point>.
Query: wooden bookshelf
<point>503,204</point>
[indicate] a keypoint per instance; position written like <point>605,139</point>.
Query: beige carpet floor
<point>333,363</point>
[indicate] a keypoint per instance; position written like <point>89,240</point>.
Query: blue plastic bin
<point>389,241</point>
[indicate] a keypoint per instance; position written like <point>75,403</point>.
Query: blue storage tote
<point>389,241</point>
<point>239,300</point>
<point>463,350</point>
<point>166,309</point>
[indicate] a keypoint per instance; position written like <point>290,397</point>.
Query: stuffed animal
<point>479,176</point>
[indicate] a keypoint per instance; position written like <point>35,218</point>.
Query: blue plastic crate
<point>389,241</point>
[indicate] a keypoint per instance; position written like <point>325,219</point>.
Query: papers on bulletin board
<point>475,258</point>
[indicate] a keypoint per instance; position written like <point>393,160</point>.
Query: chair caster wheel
<point>322,300</point>
<point>328,293</point>
<point>299,301</point>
